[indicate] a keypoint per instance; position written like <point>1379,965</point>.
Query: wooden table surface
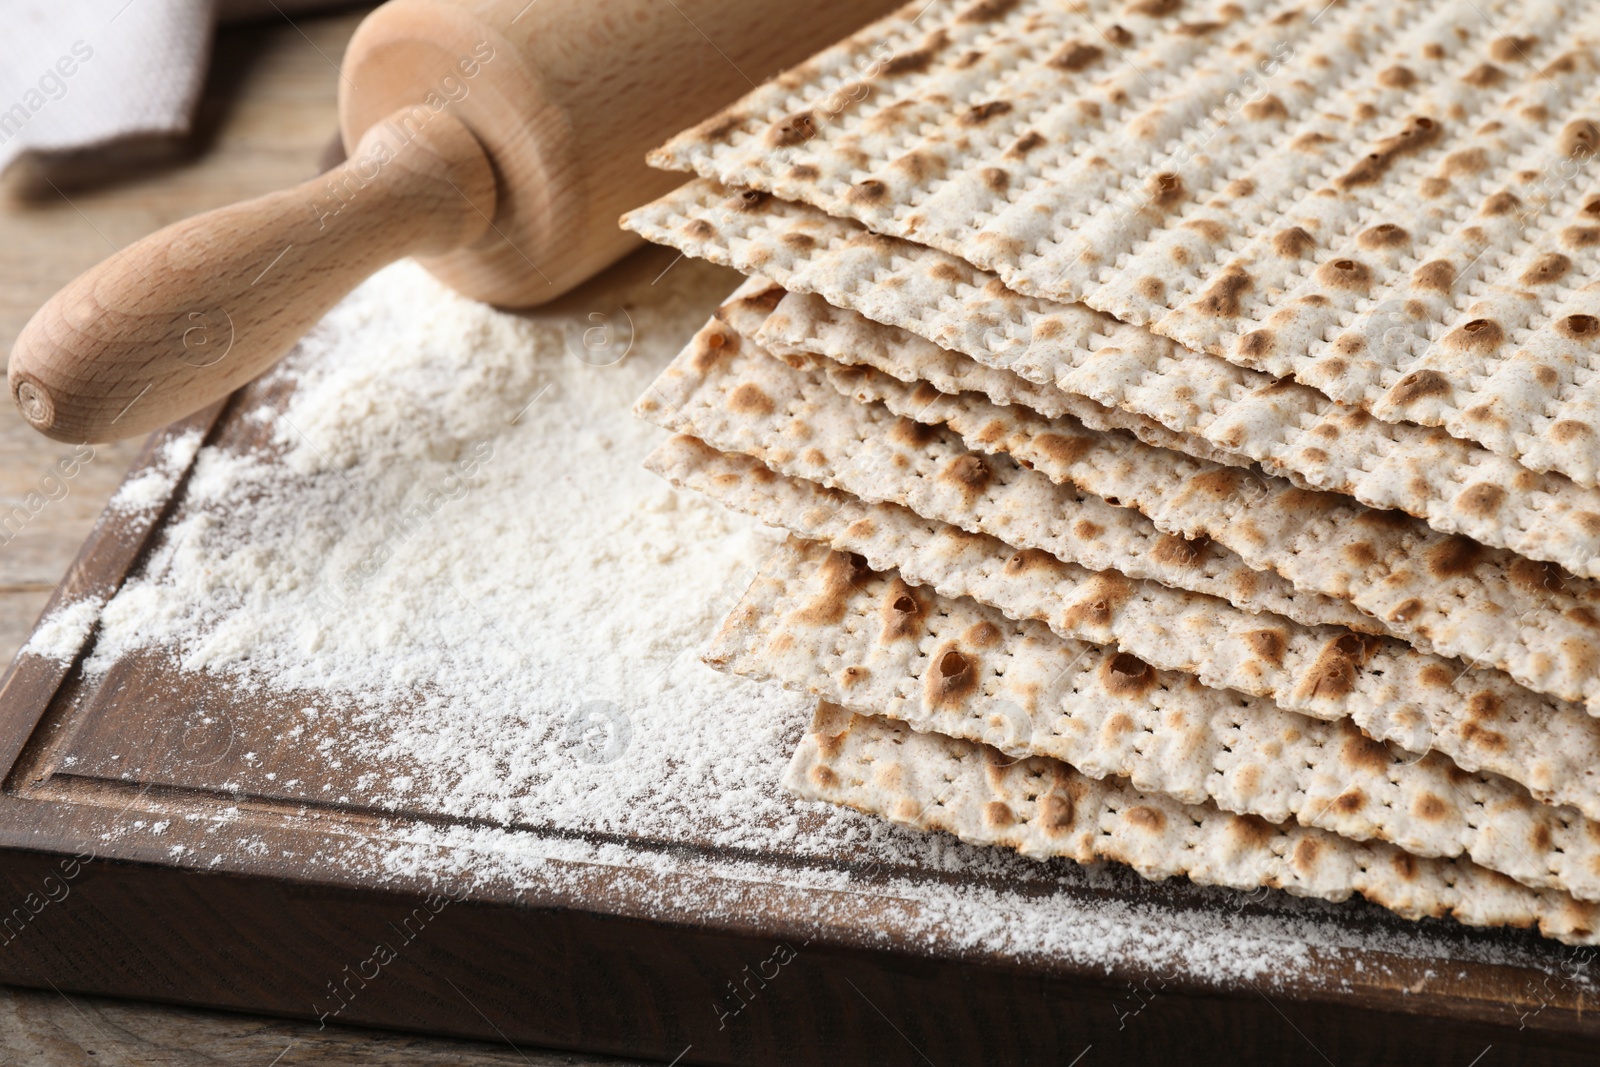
<point>267,116</point>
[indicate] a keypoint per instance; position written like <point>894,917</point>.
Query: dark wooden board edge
<point>704,897</point>
<point>114,546</point>
<point>251,919</point>
<point>576,978</point>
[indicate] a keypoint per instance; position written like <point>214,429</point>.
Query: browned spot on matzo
<point>1267,108</point>
<point>839,575</point>
<point>1345,273</point>
<point>970,473</point>
<point>1126,675</point>
<point>1465,163</point>
<point>1397,77</point>
<point>1294,242</point>
<point>1096,606</point>
<point>1417,134</point>
<point>1147,818</point>
<point>1257,344</point>
<point>1270,644</point>
<point>953,678</point>
<point>1359,750</point>
<point>1479,336</point>
<point>1222,297</point>
<point>1502,203</point>
<point>1055,814</point>
<point>1483,498</point>
<point>978,114</point>
<point>1579,327</point>
<point>1512,49</point>
<point>1182,551</point>
<point>1419,385</point>
<point>1579,138</point>
<point>1455,556</point>
<point>1437,275</point>
<point>1384,235</point>
<point>1166,191</point>
<point>793,130</point>
<point>902,613</point>
<point>869,191</point>
<point>1350,801</point>
<point>749,398</point>
<point>1547,269</point>
<point>1076,55</point>
<point>997,815</point>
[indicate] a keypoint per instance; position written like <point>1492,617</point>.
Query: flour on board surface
<point>451,549</point>
<point>452,561</point>
<point>153,484</point>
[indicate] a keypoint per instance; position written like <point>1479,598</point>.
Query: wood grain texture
<point>567,96</point>
<point>41,1028</point>
<point>497,140</point>
<point>183,317</point>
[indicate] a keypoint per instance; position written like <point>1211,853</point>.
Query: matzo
<point>1284,202</point>
<point>754,310</point>
<point>1319,542</point>
<point>1455,486</point>
<point>820,622</point>
<point>1044,809</point>
<point>723,389</point>
<point>1480,719</point>
<point>1541,640</point>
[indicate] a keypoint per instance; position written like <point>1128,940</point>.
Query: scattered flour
<point>153,484</point>
<point>453,560</point>
<point>452,547</point>
<point>61,634</point>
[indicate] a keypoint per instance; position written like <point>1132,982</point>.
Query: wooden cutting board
<point>626,944</point>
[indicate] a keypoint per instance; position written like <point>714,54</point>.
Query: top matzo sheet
<point>1389,202</point>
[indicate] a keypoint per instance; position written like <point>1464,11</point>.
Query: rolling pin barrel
<point>496,140</point>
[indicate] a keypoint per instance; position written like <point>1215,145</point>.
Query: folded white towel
<point>81,74</point>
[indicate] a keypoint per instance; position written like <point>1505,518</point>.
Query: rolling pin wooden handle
<point>197,309</point>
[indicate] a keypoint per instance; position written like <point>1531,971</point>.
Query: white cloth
<point>80,74</point>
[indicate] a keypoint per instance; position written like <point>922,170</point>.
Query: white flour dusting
<point>62,634</point>
<point>457,549</point>
<point>153,484</point>
<point>453,556</point>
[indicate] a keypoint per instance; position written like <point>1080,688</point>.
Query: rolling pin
<point>497,141</point>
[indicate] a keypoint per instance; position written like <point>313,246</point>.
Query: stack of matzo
<point>1185,416</point>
